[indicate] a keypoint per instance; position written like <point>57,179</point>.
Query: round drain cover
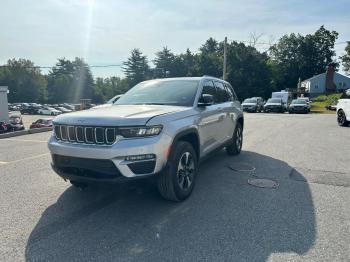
<point>263,182</point>
<point>241,167</point>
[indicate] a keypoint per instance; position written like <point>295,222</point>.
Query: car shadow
<point>225,219</point>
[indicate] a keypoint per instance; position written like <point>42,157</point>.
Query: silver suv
<point>160,128</point>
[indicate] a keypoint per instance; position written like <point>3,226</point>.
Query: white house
<point>317,85</point>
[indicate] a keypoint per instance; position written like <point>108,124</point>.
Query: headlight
<point>143,131</point>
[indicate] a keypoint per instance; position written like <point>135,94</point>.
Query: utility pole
<point>225,54</point>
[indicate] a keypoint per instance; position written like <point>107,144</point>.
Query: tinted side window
<point>230,92</point>
<point>223,95</point>
<point>209,88</point>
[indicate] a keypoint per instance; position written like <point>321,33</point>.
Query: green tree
<point>106,88</point>
<point>164,63</point>
<point>210,58</point>
<point>302,56</point>
<point>346,59</point>
<point>248,71</point>
<point>136,68</point>
<point>25,81</point>
<point>69,81</point>
<point>187,62</point>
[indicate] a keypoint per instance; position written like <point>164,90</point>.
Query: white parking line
<point>3,163</point>
<point>23,159</point>
<point>24,140</point>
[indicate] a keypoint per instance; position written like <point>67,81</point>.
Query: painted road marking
<point>23,159</point>
<point>3,163</point>
<point>24,140</point>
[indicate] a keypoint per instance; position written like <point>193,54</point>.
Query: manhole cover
<point>241,167</point>
<point>263,182</point>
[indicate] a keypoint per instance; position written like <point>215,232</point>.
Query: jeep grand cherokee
<point>160,127</point>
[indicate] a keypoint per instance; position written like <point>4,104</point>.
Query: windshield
<point>249,100</point>
<point>160,92</point>
<point>274,100</point>
<point>302,102</point>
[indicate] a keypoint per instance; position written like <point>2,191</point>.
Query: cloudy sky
<point>104,31</point>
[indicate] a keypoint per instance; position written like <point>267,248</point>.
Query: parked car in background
<point>42,122</point>
<point>110,102</point>
<point>30,109</point>
<point>63,109</point>
<point>306,99</point>
<point>68,106</point>
<point>275,105</point>
<point>16,122</point>
<point>343,109</point>
<point>5,127</point>
<point>46,110</point>
<point>331,107</point>
<point>253,105</point>
<point>299,106</point>
<point>12,107</point>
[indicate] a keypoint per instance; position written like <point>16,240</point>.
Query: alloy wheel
<point>341,117</point>
<point>239,138</point>
<point>185,171</point>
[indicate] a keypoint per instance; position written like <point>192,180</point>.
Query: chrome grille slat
<point>108,134</point>
<point>64,135</point>
<point>79,130</point>
<point>97,138</point>
<point>85,134</point>
<point>89,135</point>
<point>71,133</point>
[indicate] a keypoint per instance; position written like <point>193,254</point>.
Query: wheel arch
<point>191,136</point>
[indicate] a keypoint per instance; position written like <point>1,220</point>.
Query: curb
<point>25,132</point>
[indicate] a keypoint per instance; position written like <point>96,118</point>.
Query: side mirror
<point>206,100</point>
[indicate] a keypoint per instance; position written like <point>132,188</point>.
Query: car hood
<point>273,104</point>
<point>248,104</point>
<point>117,115</point>
<point>301,105</point>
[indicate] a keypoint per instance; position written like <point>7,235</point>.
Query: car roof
<point>189,78</point>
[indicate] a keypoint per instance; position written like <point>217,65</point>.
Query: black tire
<point>77,184</point>
<point>237,141</point>
<point>341,118</point>
<point>174,183</point>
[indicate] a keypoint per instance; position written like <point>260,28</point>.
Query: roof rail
<point>209,76</point>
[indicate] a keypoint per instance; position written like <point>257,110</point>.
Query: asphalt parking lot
<point>307,218</point>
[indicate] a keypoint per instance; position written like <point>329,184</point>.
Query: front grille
<point>86,134</point>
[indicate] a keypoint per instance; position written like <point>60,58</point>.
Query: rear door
<point>226,109</point>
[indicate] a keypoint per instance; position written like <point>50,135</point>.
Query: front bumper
<point>85,162</point>
<point>299,109</point>
<point>249,109</point>
<point>273,109</point>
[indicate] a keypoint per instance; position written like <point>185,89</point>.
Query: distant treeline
<point>251,72</point>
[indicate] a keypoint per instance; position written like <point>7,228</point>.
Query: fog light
<point>140,157</point>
